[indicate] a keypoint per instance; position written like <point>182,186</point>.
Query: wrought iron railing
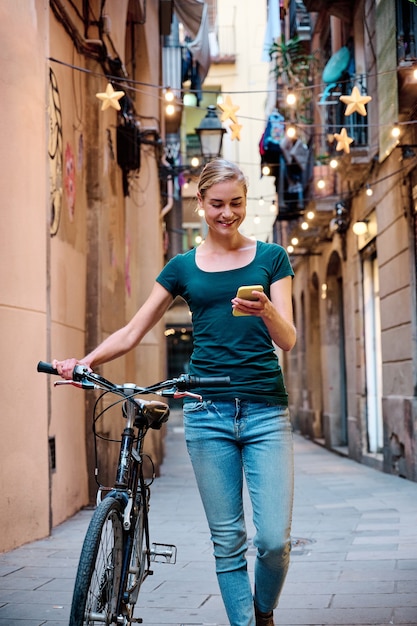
<point>333,111</point>
<point>406,31</point>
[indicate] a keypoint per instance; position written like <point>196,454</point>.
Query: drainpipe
<point>170,192</point>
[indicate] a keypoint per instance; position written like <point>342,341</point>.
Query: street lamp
<point>210,134</point>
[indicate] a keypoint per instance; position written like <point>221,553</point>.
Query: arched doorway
<point>334,358</point>
<point>315,360</point>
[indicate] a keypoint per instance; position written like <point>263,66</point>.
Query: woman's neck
<point>211,256</point>
<point>224,245</point>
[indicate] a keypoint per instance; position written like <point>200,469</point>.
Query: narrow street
<point>354,558</point>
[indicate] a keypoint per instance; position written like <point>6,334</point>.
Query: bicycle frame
<point>129,477</point>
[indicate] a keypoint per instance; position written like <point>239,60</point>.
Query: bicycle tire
<point>137,564</point>
<point>99,570</point>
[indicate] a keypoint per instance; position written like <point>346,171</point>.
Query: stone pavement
<point>354,558</point>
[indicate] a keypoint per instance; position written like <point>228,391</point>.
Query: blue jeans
<point>226,440</point>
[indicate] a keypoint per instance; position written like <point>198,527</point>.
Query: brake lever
<point>188,394</point>
<point>174,393</point>
<point>75,383</point>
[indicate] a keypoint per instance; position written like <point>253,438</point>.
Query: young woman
<point>243,430</point>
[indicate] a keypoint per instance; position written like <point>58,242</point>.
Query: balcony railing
<point>333,111</point>
<point>406,32</point>
<point>223,44</point>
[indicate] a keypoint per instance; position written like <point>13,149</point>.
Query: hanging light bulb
<point>256,219</point>
<point>261,201</point>
<point>200,212</point>
<point>395,132</point>
<point>195,162</point>
<point>290,249</point>
<point>310,215</point>
<point>169,95</point>
<point>170,109</point>
<point>294,241</point>
<point>369,191</point>
<point>291,99</point>
<point>291,131</point>
<point>304,226</point>
<point>273,208</point>
<point>321,183</point>
<point>333,163</point>
<point>266,170</point>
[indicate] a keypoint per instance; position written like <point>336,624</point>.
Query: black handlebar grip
<point>209,381</point>
<point>46,368</point>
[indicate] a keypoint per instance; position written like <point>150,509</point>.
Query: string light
<point>290,249</point>
<point>321,183</point>
<point>261,201</point>
<point>369,191</point>
<point>169,95</point>
<point>256,219</point>
<point>291,99</point>
<point>294,241</point>
<point>333,163</point>
<point>130,82</point>
<point>304,226</point>
<point>395,132</point>
<point>272,208</point>
<point>310,215</point>
<point>195,162</point>
<point>291,131</point>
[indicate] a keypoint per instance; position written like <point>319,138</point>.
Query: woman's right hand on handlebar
<point>65,368</point>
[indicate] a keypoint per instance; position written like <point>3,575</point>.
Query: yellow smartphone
<point>245,292</point>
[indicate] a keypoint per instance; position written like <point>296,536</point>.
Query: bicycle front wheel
<point>99,570</point>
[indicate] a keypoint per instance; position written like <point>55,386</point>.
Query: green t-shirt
<point>224,344</point>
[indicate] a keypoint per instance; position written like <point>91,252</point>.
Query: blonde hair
<point>219,171</point>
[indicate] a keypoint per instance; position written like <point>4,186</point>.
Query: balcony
<point>300,22</point>
<point>333,119</point>
<point>406,56</point>
<point>342,9</point>
<point>223,45</point>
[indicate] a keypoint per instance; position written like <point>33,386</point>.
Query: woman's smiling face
<point>224,206</point>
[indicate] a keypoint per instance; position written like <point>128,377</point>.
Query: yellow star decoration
<point>110,98</point>
<point>235,128</point>
<point>343,141</point>
<point>229,110</point>
<point>355,102</point>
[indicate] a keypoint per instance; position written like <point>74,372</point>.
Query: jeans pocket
<point>193,407</point>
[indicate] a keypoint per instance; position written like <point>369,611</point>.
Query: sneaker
<point>264,619</point>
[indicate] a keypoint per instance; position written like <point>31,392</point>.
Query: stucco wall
<point>59,293</point>
<point>24,419</point>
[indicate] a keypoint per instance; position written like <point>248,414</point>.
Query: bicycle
<point>117,554</point>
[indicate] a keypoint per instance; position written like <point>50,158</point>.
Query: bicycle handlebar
<point>46,368</point>
<point>183,383</point>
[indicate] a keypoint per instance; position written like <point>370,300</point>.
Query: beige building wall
<point>23,306</point>
<point>61,294</point>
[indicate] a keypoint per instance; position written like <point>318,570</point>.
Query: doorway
<point>373,355</point>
